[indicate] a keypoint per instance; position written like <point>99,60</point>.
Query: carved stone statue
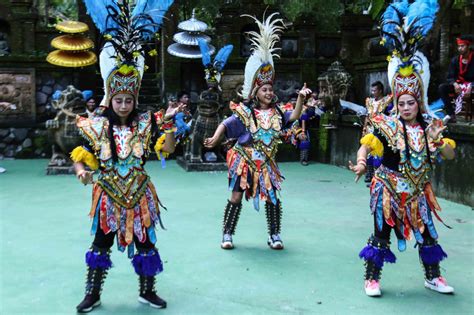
<point>205,124</point>
<point>69,103</point>
<point>4,49</point>
<point>333,86</point>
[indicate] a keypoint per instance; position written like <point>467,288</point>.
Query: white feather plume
<point>263,48</point>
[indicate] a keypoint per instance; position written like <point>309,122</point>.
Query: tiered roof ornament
<point>187,42</point>
<point>72,49</point>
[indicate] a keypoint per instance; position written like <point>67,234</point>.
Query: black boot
<point>274,214</point>
<point>231,218</point>
<point>98,261</point>
<point>148,294</point>
<point>304,154</point>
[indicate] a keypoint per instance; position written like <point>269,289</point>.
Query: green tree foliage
<point>322,12</point>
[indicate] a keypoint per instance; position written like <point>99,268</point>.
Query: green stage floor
<point>45,233</point>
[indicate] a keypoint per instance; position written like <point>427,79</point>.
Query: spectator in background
<point>460,78</point>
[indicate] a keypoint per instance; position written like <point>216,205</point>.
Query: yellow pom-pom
<point>450,142</point>
<point>373,143</point>
<point>79,154</point>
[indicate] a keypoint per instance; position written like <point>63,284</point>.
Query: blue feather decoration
<point>436,108</point>
<point>222,56</point>
<point>402,6</point>
<point>421,15</point>
<point>156,9</point>
<point>392,21</point>
<point>97,9</point>
<point>437,105</point>
<point>206,56</point>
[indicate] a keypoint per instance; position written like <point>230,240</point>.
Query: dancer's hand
<point>457,88</point>
<point>301,136</point>
<point>435,129</point>
<point>85,177</point>
<point>211,142</point>
<point>304,92</point>
<point>358,169</point>
<point>172,111</point>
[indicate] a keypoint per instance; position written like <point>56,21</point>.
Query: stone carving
<point>285,85</point>
<point>17,95</point>
<point>66,136</point>
<point>333,86</point>
<point>204,126</point>
<point>4,49</point>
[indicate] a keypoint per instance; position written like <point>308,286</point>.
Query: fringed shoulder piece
<point>94,130</point>
<point>377,107</point>
<point>388,126</point>
<point>242,112</point>
<point>373,143</point>
<point>80,154</point>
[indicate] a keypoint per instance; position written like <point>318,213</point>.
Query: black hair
<point>114,119</point>
<point>378,84</point>
<point>181,94</point>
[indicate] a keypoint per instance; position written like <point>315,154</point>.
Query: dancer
<point>402,197</point>
<point>257,125</point>
<point>117,143</point>
<point>376,103</point>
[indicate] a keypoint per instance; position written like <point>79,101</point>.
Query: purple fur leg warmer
<point>432,255</point>
<point>96,260</point>
<point>147,263</point>
<point>377,255</point>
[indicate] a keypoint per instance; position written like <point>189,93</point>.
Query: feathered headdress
<point>122,59</point>
<point>213,70</point>
<point>259,68</point>
<point>403,28</point>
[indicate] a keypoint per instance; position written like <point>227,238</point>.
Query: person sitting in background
<point>460,78</point>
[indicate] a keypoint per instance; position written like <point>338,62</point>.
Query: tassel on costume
<point>373,143</point>
<point>80,154</point>
<point>147,263</point>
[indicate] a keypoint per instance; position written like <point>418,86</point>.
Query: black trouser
<point>444,90</point>
<point>105,241</point>
<point>386,229</point>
